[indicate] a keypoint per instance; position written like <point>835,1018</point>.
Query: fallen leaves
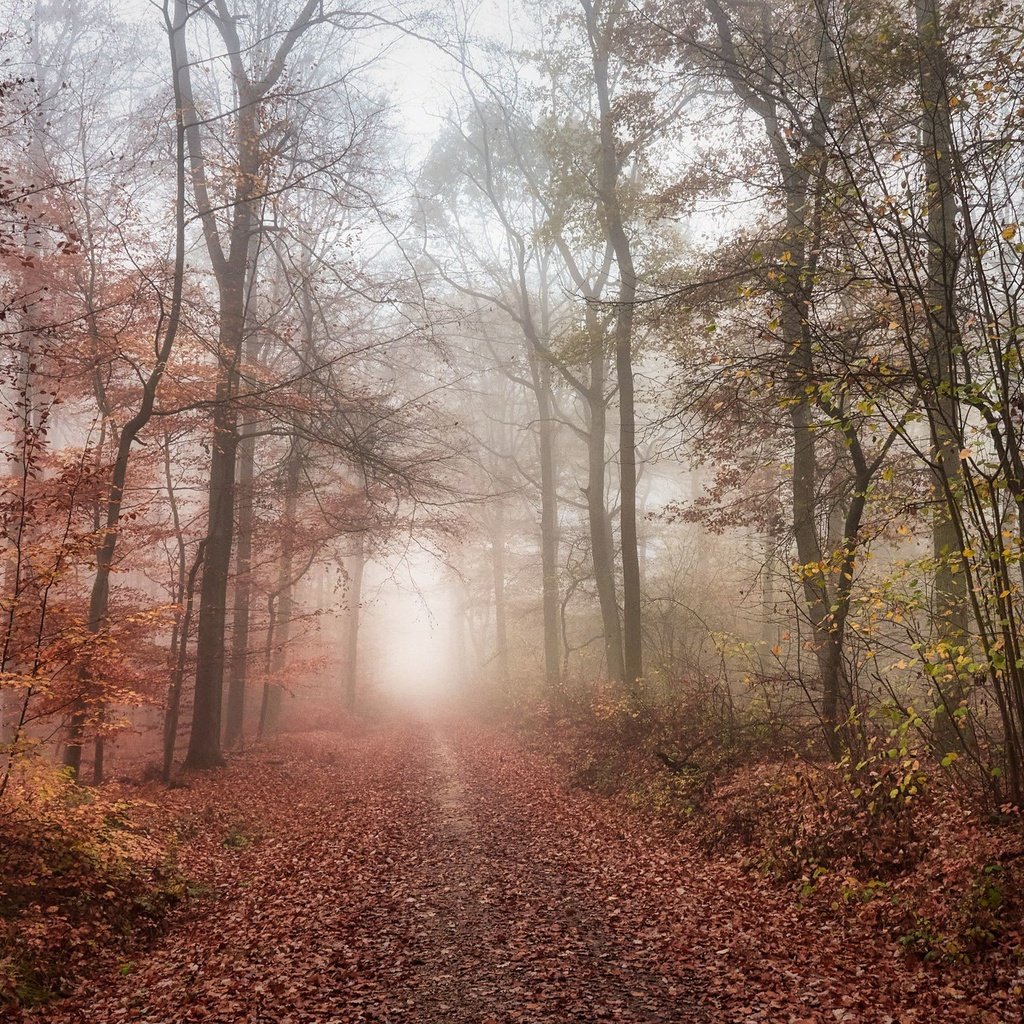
<point>450,876</point>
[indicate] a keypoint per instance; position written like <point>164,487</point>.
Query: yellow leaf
<point>1009,232</point>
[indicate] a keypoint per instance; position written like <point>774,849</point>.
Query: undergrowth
<point>890,835</point>
<point>78,873</point>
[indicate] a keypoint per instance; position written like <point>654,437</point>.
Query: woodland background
<point>677,347</point>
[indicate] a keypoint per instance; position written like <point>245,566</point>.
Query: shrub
<point>78,870</point>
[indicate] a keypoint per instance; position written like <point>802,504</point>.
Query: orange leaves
<point>416,872</point>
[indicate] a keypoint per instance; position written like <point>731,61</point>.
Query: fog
<point>511,511</point>
<point>411,650</point>
<point>506,356</point>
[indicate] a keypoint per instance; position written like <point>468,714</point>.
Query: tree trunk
<point>180,658</point>
<point>459,629</point>
<point>801,373</point>
<point>231,265</point>
<point>769,627</point>
<point>614,226</point>
<point>794,274</point>
<point>356,564</point>
<point>204,749</point>
<point>243,586</point>
<point>602,545</point>
<point>540,373</point>
<point>269,703</point>
<point>15,556</point>
<point>942,239</point>
<point>100,595</point>
<point>500,603</point>
<point>279,628</point>
<point>242,591</point>
<point>949,604</point>
<point>99,752</point>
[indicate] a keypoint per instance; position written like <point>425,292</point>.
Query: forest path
<point>442,874</point>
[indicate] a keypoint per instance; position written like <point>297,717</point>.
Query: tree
<point>165,334</point>
<point>255,69</point>
<point>601,20</point>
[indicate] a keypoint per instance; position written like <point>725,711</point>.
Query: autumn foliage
<point>672,386</point>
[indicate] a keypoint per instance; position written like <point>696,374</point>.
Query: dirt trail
<point>443,875</point>
<point>516,930</point>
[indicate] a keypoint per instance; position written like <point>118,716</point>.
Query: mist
<point>410,624</point>
<point>511,511</point>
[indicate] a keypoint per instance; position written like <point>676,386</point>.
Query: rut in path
<point>410,873</point>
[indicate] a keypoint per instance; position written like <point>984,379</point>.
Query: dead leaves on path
<point>400,875</point>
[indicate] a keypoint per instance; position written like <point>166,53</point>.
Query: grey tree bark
<point>242,596</point>
<point>356,566</point>
<point>941,272</point>
<point>281,604</point>
<point>601,24</point>
<point>799,173</point>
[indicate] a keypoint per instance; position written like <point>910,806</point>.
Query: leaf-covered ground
<point>441,873</point>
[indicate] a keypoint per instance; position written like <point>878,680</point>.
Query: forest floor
<point>441,873</point>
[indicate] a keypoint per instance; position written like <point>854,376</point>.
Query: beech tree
<point>521,287</point>
<point>555,223</point>
<point>231,214</point>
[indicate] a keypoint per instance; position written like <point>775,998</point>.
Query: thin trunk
<point>942,268</point>
<point>100,596</point>
<point>602,545</point>
<point>459,628</point>
<point>500,603</point>
<point>239,660</point>
<point>801,377</point>
<point>15,560</point>
<point>173,712</point>
<point>269,690</point>
<point>614,226</point>
<point>356,565</point>
<point>540,373</point>
<point>769,627</point>
<point>99,749</point>
<point>182,575</point>
<point>279,628</point>
<point>243,586</point>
